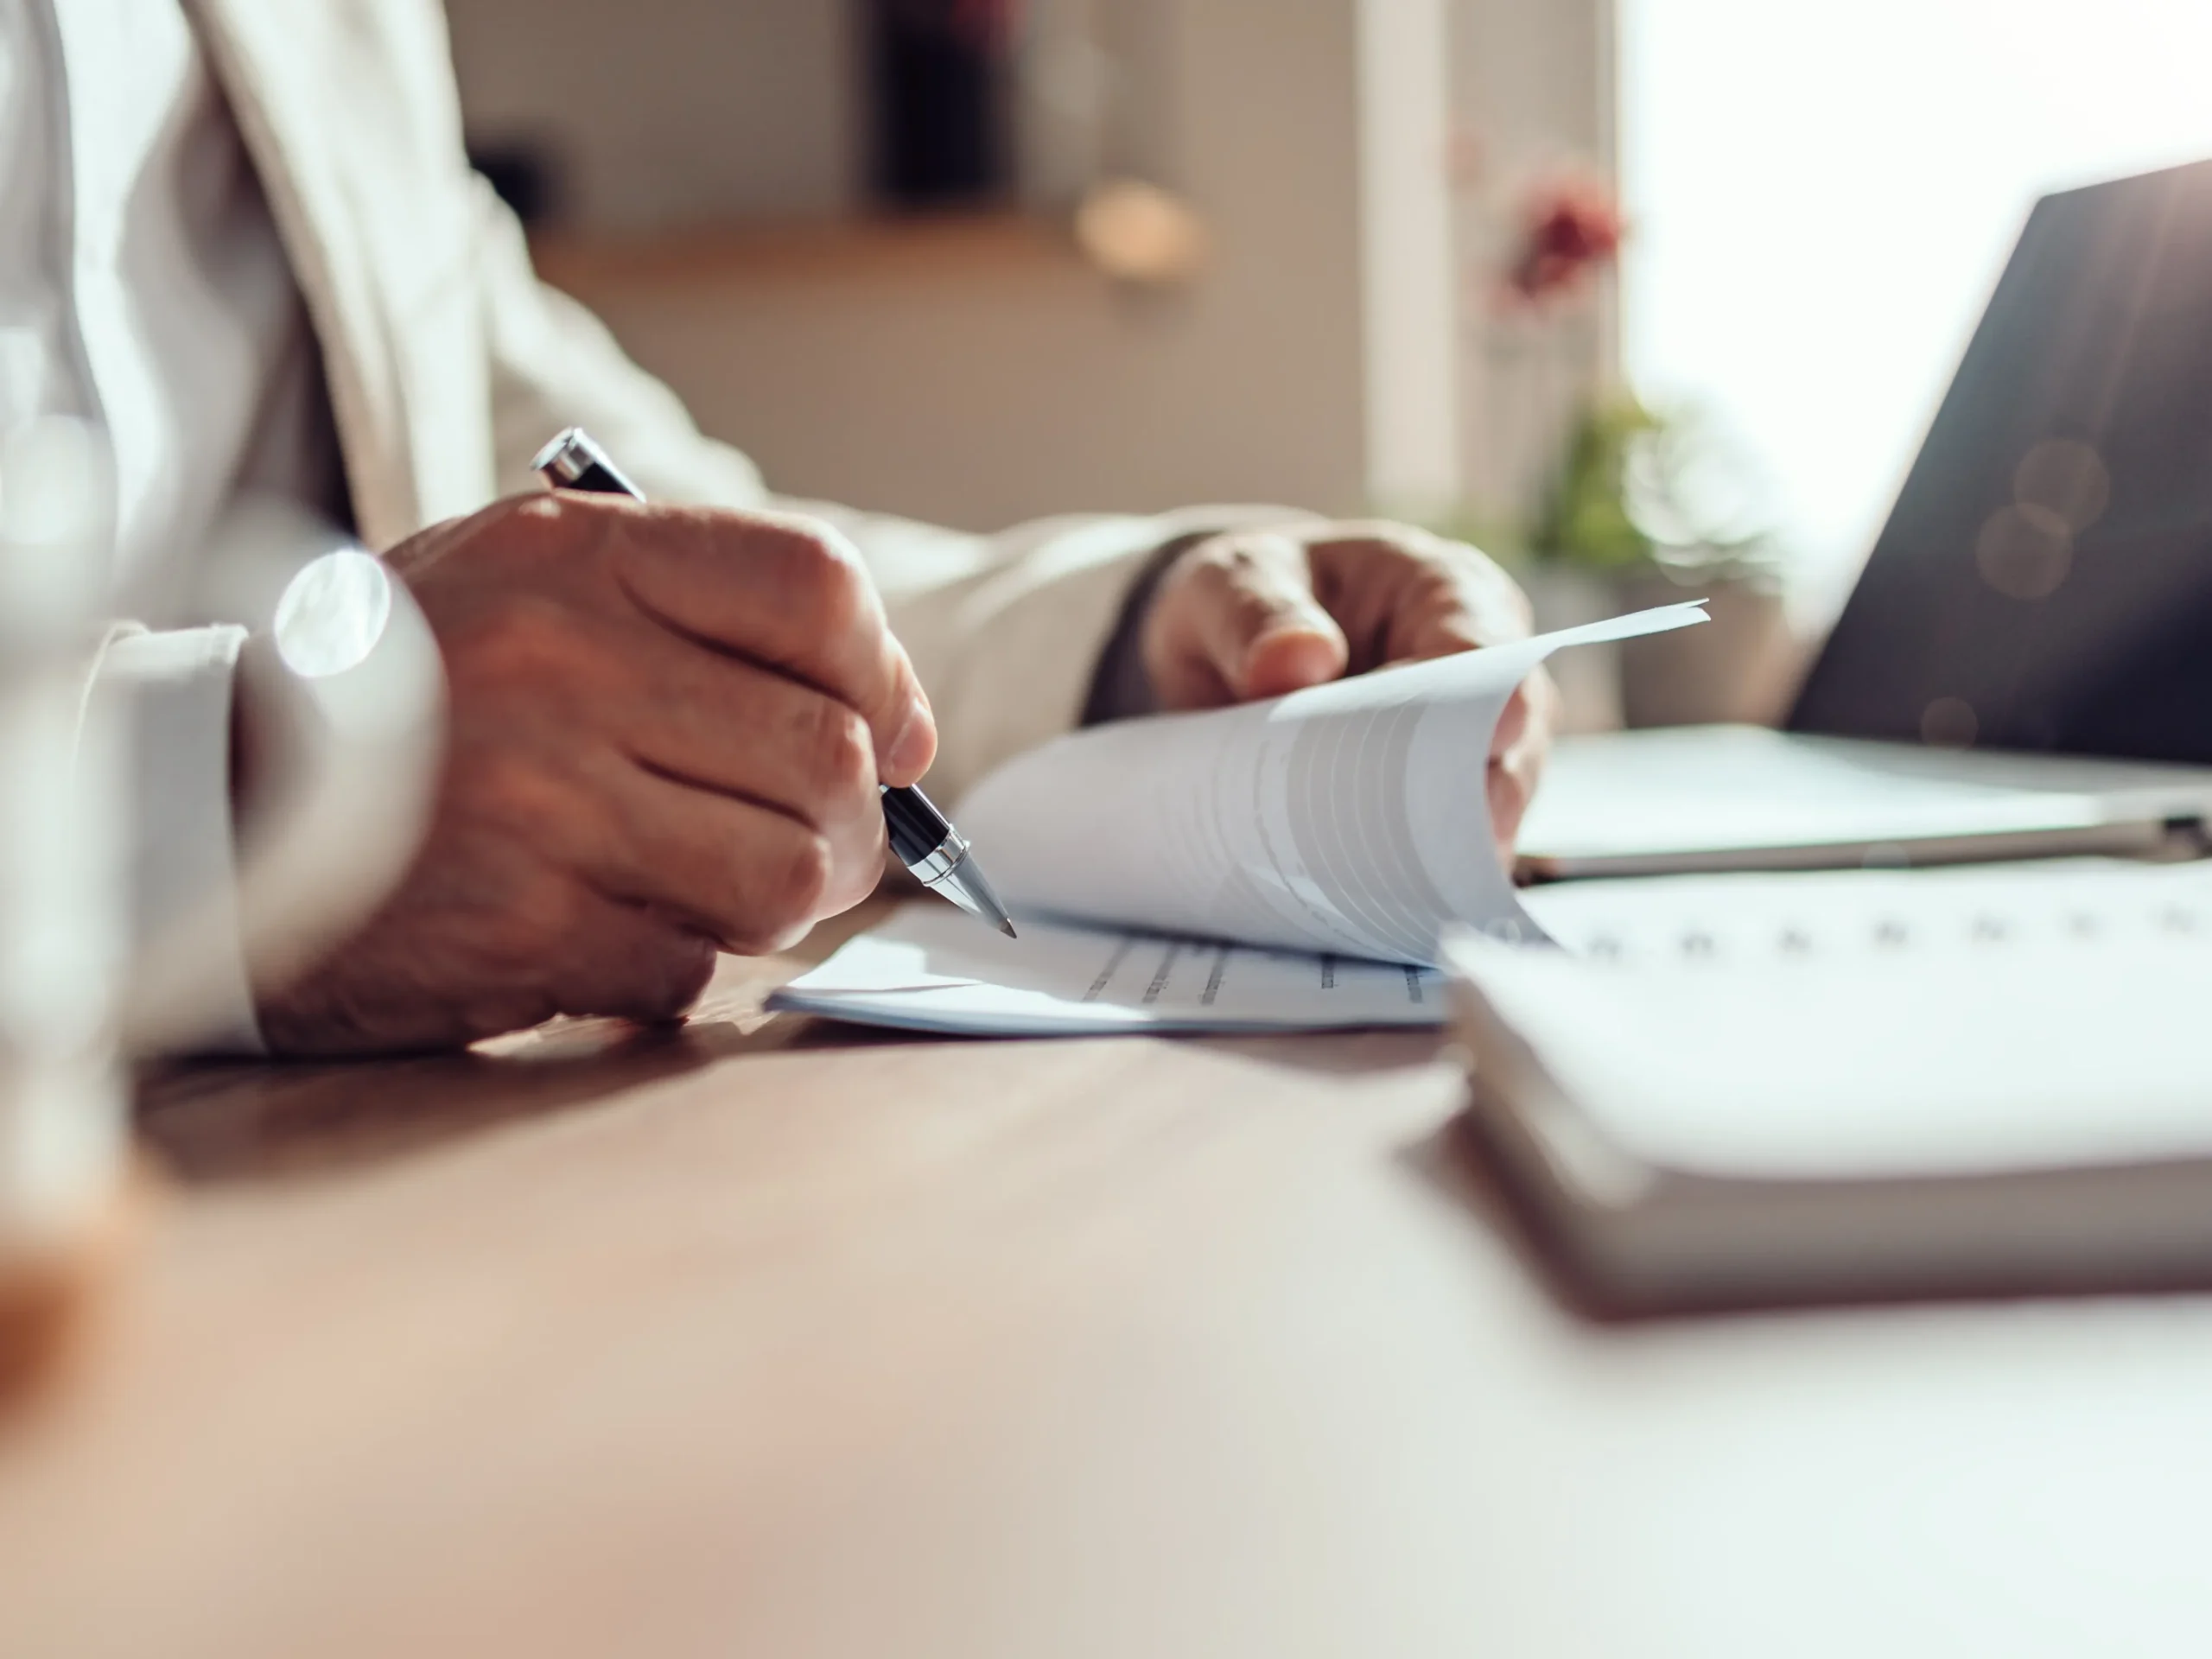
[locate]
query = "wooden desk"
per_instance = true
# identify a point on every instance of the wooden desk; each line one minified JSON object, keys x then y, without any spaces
{"x":762,"y":1340}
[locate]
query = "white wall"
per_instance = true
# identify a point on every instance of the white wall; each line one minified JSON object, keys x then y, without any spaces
{"x":1410,"y":255}
{"x":672,"y":112}
{"x":994,"y":375}
{"x":980,"y":377}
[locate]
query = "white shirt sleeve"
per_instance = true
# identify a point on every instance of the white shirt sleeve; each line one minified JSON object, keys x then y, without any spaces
{"x":177,"y":687}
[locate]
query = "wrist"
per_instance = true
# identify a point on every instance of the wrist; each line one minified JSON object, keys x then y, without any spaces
{"x":1120,"y":687}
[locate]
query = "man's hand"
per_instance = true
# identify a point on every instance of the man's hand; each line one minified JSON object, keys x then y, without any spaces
{"x":666,"y":732}
{"x":1257,"y":614}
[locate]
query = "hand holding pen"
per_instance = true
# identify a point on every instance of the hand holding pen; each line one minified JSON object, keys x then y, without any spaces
{"x":664,"y":736}
{"x":921,"y":838}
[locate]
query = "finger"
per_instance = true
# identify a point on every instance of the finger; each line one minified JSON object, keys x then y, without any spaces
{"x":413,"y":557}
{"x":1529,"y":714}
{"x":474,"y":951}
{"x":791,"y":593}
{"x":748,"y":877}
{"x":1404,"y":595}
{"x":623,"y":961}
{"x":1516,"y":767}
{"x":728,"y":724}
{"x":1242,"y":612}
{"x":1512,"y":723}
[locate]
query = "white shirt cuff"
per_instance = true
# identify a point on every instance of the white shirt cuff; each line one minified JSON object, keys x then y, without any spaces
{"x":178,"y":687}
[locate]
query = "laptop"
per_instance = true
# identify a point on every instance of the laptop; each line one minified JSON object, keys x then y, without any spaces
{"x":2024,"y":667}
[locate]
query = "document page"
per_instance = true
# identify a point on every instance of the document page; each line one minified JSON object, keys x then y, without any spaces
{"x":933,"y":969}
{"x":1352,"y":819}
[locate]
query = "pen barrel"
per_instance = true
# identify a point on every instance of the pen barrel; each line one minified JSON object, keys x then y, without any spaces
{"x":922,"y":838}
{"x":574,"y":461}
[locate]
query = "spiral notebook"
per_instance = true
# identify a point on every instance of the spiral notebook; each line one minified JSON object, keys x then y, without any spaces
{"x":1756,"y":1090}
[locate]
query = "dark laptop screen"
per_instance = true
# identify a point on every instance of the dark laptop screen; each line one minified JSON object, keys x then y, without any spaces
{"x":2045,"y":580}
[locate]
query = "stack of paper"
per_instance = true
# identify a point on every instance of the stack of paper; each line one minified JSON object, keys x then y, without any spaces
{"x":1290,"y":864}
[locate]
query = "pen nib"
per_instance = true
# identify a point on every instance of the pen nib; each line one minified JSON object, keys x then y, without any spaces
{"x":964,"y":886}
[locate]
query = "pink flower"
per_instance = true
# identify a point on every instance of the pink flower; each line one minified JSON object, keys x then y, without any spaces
{"x":1574,"y":227}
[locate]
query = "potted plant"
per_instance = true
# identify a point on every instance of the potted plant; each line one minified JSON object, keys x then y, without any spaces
{"x":1647,"y":508}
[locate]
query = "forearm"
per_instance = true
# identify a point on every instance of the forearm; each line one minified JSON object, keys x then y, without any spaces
{"x":1120,"y":687}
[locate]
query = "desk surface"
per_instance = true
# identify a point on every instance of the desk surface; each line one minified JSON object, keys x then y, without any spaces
{"x":765,"y":1339}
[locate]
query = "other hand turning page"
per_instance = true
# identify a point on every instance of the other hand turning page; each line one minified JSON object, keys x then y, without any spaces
{"x":1348,"y":821}
{"x":1353,"y":817}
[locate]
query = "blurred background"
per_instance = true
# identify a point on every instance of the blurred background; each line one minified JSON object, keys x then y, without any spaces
{"x":1642,"y":295}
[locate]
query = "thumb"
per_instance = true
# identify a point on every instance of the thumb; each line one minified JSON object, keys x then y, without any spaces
{"x":1263,"y":630}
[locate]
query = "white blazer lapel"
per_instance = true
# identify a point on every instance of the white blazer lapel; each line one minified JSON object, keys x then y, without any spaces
{"x":348,"y":109}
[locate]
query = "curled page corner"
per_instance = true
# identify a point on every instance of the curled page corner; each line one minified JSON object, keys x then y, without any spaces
{"x":1350,"y":818}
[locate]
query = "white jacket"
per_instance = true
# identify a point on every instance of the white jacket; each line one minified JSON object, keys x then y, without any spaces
{"x":449,"y":365}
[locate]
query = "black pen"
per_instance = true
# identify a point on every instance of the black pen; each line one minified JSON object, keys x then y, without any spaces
{"x":922,"y":838}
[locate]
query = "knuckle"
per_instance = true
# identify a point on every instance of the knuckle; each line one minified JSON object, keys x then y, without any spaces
{"x":1200,"y":561}
{"x":810,"y":867}
{"x":843,"y":752}
{"x":1373,"y":539}
{"x":535,"y":532}
{"x":534,"y":514}
{"x":532,"y":509}
{"x":529,"y":639}
{"x":795,"y":879}
{"x":1229,"y":557}
{"x":1209,"y":549}
{"x":504,"y":788}
{"x":830,"y":589}
{"x":1216,"y":570}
